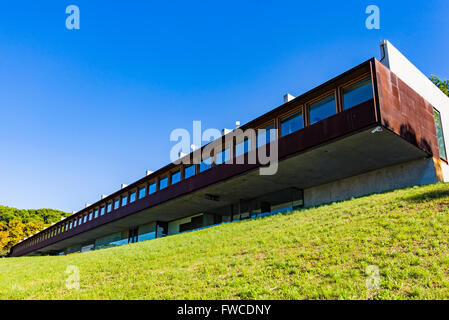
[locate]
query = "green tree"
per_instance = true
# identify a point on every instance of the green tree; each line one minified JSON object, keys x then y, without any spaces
{"x":16,"y":224}
{"x":442,"y":84}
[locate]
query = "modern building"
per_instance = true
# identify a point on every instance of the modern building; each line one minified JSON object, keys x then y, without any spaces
{"x":376,"y":127}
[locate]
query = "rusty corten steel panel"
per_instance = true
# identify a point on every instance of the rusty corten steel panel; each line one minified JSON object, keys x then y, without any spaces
{"x":338,"y":125}
{"x":405,"y":112}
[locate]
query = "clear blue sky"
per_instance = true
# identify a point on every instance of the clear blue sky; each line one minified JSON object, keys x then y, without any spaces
{"x":83,"y":111}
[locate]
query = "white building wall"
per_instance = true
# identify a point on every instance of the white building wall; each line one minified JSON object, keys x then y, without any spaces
{"x":407,"y":72}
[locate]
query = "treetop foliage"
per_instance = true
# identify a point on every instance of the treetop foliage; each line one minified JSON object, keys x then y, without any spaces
{"x":16,"y":224}
{"x":442,"y":84}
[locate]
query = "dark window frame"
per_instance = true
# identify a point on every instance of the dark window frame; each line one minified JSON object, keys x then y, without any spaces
{"x":350,"y":83}
{"x":162,"y":177}
{"x":442,"y":135}
{"x":132,"y":194}
{"x":144,"y":192}
{"x":265,"y":124}
{"x":151,"y":183}
{"x":334,"y":92}
{"x":173,"y":172}
{"x":300,"y":109}
{"x":190,"y":166}
{"x":125,"y":196}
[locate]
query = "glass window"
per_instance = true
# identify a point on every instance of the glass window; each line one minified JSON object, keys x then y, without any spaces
{"x":189,"y":171}
{"x":116,"y":204}
{"x":101,"y":211}
{"x":124,"y":200}
{"x":322,"y":109}
{"x":75,"y":222}
{"x":132,"y":197}
{"x":291,"y":123}
{"x":439,"y":127}
{"x":265,"y":135}
{"x":109,"y":207}
{"x":96,"y":213}
{"x":176,"y":177}
{"x":223,"y":156}
{"x":357,"y":93}
{"x":206,"y":164}
{"x":85,"y":219}
{"x":152,"y":187}
{"x":80,"y":220}
{"x":163,"y":182}
{"x":90,"y":215}
{"x":142,"y":192}
{"x":242,"y":147}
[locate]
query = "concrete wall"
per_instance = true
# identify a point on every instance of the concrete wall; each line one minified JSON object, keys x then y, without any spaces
{"x":413,"y":77}
{"x":418,"y":172}
{"x":173,"y":226}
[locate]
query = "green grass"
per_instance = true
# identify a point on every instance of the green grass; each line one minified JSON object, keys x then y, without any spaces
{"x":317,"y":253}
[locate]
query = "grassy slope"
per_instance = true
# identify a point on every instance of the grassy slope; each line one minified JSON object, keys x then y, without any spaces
{"x":315,"y":253}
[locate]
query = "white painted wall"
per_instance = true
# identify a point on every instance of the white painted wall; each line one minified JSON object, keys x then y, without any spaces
{"x":407,"y":72}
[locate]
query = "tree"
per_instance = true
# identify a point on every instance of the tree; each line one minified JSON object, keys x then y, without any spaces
{"x":16,"y":224}
{"x":443,"y":85}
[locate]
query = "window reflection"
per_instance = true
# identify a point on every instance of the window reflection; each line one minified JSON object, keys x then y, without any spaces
{"x":291,"y":123}
{"x":223,"y":156}
{"x":439,"y":127}
{"x":142,"y":192}
{"x":163,"y":182}
{"x":357,"y":93}
{"x":132,"y":197}
{"x":152,"y":188}
{"x":176,"y":177}
{"x":322,"y":109}
{"x":124,"y":200}
{"x":242,"y":147}
{"x":205,"y":164}
{"x":189,"y":171}
{"x":265,"y":135}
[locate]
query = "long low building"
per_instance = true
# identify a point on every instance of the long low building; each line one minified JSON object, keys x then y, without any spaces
{"x":376,"y":127}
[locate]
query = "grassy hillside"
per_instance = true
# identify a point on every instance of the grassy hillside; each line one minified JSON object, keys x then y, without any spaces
{"x":318,"y":253}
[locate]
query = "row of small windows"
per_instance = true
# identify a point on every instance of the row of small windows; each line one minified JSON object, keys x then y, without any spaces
{"x":352,"y":95}
{"x":117,"y":203}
